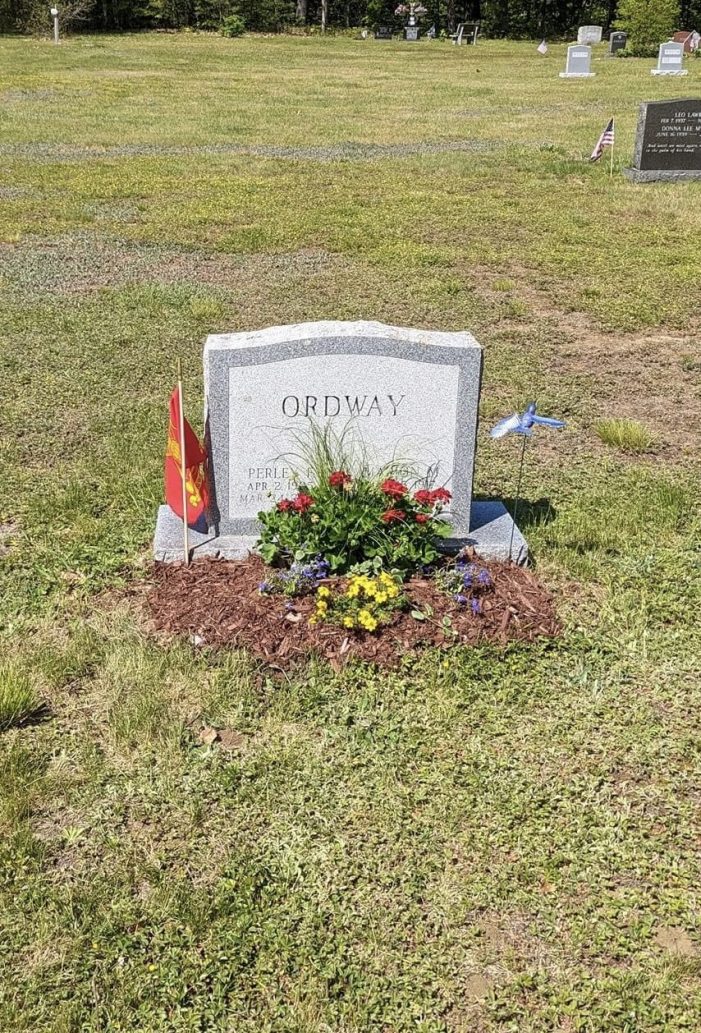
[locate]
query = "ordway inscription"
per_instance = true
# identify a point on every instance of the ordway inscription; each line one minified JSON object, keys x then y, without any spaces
{"x":336,"y":405}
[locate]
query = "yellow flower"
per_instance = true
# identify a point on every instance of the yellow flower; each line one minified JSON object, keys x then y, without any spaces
{"x":352,"y":591}
{"x":381,"y":597}
{"x":348,"y":622}
{"x":323,"y":592}
{"x":392,"y":592}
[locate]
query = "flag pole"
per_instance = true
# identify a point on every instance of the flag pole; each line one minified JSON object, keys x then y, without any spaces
{"x":183,"y":475}
{"x":517,"y":499}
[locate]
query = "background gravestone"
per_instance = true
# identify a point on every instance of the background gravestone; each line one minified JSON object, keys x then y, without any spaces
{"x":670,"y":60}
{"x":411,"y":33}
{"x":406,"y":394}
{"x":578,"y":63}
{"x":668,"y":142}
{"x":589,"y":34}
{"x":617,"y":42}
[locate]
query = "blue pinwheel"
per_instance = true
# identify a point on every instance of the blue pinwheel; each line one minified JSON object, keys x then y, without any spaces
{"x":524,"y":423}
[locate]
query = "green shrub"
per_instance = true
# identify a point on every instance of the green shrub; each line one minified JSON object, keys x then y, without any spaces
{"x":18,"y":697}
{"x":233,"y":26}
{"x":648,"y":23}
{"x":628,"y":435}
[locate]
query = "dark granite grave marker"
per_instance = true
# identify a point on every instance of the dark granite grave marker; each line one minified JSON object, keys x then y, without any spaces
{"x":668,"y":141}
{"x":383,"y":32}
{"x":617,"y":42}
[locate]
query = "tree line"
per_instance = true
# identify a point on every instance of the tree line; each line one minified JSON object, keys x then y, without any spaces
{"x":515,"y":19}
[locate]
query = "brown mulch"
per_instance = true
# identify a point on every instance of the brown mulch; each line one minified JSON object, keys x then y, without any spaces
{"x":218,"y":601}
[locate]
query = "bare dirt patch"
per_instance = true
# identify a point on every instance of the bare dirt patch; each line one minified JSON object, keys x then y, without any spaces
{"x":219,"y":602}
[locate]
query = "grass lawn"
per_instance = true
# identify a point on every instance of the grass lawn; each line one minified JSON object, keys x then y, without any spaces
{"x":496,"y":840}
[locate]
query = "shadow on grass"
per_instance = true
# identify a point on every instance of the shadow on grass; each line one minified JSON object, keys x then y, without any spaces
{"x":525,"y":512}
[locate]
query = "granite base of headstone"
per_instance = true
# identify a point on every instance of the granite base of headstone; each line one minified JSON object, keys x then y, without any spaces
{"x":399,"y":393}
{"x":411,"y":33}
{"x":667,"y":142}
{"x":578,"y":63}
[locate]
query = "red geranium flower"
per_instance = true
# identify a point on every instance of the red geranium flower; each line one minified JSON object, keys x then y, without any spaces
{"x":302,"y":502}
{"x":441,"y":495}
{"x":285,"y":505}
{"x":393,"y":488}
{"x":339,"y":478}
{"x":421,"y":518}
{"x":424,"y":497}
{"x":390,"y":515}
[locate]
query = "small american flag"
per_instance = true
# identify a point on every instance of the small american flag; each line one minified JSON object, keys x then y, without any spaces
{"x":605,"y":140}
{"x":543,"y":48}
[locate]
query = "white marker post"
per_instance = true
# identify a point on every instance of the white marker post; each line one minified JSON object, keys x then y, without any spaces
{"x":54,"y":15}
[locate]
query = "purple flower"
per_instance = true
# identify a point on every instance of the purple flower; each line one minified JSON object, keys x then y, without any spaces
{"x":484,"y":577}
{"x":460,"y":598}
{"x":476,"y":608}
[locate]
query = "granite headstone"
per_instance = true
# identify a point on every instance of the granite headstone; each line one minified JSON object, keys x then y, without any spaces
{"x":617,"y":42}
{"x":589,"y":34}
{"x":668,"y":142}
{"x":578,"y":63}
{"x":670,"y":60}
{"x":406,"y":394}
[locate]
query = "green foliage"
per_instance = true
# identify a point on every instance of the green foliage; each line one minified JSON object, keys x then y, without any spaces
{"x":648,"y":23}
{"x":628,"y":435}
{"x":354,"y":525}
{"x":18,"y":695}
{"x":232,"y":26}
{"x":350,"y":515}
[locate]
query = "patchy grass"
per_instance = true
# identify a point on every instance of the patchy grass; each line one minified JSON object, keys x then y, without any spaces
{"x":18,"y":695}
{"x":628,"y":435}
{"x":497,"y":840}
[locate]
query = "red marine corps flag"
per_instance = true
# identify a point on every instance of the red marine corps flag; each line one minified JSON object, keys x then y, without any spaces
{"x":185,"y":484}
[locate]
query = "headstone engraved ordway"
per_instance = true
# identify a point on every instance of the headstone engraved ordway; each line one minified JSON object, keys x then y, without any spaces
{"x":617,"y":42}
{"x":668,"y":142}
{"x":670,"y":60}
{"x":406,"y":394}
{"x":589,"y":34}
{"x":578,"y":63}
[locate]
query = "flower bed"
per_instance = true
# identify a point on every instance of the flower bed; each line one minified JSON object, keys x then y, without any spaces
{"x":221,"y":603}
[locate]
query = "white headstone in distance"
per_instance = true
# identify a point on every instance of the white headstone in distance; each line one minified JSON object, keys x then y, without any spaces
{"x":670,"y":60}
{"x":589,"y":34}
{"x":578,"y":63}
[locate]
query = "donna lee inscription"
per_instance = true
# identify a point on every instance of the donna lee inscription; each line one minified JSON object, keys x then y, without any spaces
{"x":270,"y":404}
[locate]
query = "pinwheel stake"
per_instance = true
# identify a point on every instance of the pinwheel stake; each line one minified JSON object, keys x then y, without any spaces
{"x":522,"y":425}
